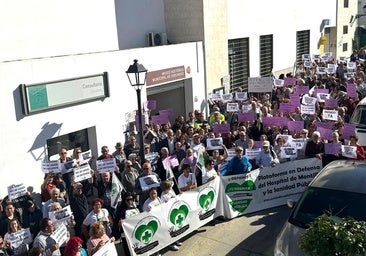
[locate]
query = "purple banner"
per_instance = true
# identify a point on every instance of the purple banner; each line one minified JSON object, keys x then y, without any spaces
{"x":295,"y":125}
{"x":348,"y":130}
{"x":160,"y":119}
{"x":325,"y":133}
{"x":302,"y":89}
{"x":331,"y":103}
{"x":258,"y":144}
{"x":290,"y":81}
{"x":325,"y":125}
{"x":316,"y":91}
{"x":244,"y":117}
{"x":168,"y":112}
{"x":295,"y":100}
{"x":221,"y":128}
{"x":150,"y":104}
{"x":275,"y":120}
{"x":351,"y":90}
{"x":332,"y":148}
{"x":287,"y":107}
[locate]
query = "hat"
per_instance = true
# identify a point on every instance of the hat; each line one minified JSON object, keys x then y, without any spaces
{"x":265,"y":143}
{"x":196,"y":135}
{"x":119,"y":145}
{"x":28,"y":203}
{"x":132,"y":155}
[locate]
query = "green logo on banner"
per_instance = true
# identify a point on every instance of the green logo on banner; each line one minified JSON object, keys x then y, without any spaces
{"x":37,"y":97}
{"x":144,"y":233}
{"x":177,"y":216}
{"x":205,"y":200}
{"x":240,"y":205}
{"x":247,"y":185}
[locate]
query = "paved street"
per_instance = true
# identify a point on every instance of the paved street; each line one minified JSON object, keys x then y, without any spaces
{"x":251,"y":235}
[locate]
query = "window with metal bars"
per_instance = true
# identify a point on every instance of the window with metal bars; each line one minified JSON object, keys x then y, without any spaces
{"x":238,"y":63}
{"x":302,"y":44}
{"x":266,"y":55}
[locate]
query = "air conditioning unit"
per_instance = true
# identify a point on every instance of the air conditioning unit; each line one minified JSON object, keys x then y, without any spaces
{"x":156,"y":39}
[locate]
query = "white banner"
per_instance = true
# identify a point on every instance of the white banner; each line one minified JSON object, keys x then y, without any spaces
{"x":260,"y":84}
{"x":106,"y":165}
{"x":149,"y":232}
{"x":252,"y":153}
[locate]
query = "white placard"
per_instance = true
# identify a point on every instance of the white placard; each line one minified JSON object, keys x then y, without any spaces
{"x":20,"y":237}
{"x":215,"y":97}
{"x":307,"y":100}
{"x":231,"y":153}
{"x":106,"y":165}
{"x":241,"y":96}
{"x":82,"y":173}
{"x":149,"y":181}
{"x":308,"y":109}
{"x":152,"y":157}
{"x":15,"y":191}
{"x":321,"y":70}
{"x":306,"y":57}
{"x":349,"y":151}
{"x":227,"y":97}
{"x":330,"y":114}
{"x":321,"y":97}
{"x":232,"y":107}
{"x":246,"y":108}
{"x":300,"y":143}
{"x":60,"y":234}
{"x":260,"y":84}
{"x":308,"y":64}
{"x":67,"y":167}
{"x":108,"y":249}
{"x":84,"y":157}
{"x":288,"y":151}
{"x":51,"y":167}
{"x":278,"y":82}
{"x":214,"y":143}
{"x":252,"y":153}
{"x":61,"y":215}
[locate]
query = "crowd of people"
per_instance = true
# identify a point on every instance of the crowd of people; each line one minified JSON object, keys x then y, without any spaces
{"x":181,"y":156}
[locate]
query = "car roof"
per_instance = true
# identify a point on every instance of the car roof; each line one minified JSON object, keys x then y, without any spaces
{"x":345,"y":175}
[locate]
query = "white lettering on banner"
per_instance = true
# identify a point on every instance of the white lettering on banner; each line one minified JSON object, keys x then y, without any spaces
{"x":60,"y":234}
{"x":15,"y":191}
{"x":106,"y":165}
{"x":228,"y":196}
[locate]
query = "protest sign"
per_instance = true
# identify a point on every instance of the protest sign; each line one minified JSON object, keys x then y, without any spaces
{"x":227,"y":97}
{"x":60,"y":234}
{"x":106,"y":165}
{"x":61,"y":215}
{"x":232,"y":107}
{"x":214,"y":143}
{"x":246,"y":117}
{"x":260,"y":84}
{"x":349,"y":151}
{"x":67,"y":167}
{"x":241,"y":96}
{"x":330,"y":114}
{"x":15,"y":191}
{"x":308,"y":109}
{"x":149,"y":181}
{"x":84,"y":157}
{"x":332,"y":148}
{"x":82,"y":173}
{"x":51,"y":166}
{"x":108,"y":249}
{"x":252,"y":153}
{"x":20,"y":237}
{"x":295,"y":125}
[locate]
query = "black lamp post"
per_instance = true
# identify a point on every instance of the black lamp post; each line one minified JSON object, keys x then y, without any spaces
{"x":137,"y":76}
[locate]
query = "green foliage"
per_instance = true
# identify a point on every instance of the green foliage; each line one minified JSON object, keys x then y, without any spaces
{"x":329,"y":235}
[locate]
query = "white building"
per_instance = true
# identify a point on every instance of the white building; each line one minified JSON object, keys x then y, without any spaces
{"x":210,"y":40}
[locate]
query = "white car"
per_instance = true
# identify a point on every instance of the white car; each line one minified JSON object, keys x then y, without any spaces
{"x":359,"y":119}
{"x":339,"y":189}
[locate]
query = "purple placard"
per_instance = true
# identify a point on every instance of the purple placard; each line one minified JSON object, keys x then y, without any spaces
{"x":257,"y":144}
{"x":316,"y":91}
{"x":150,"y":104}
{"x":168,"y":112}
{"x":332,"y":148}
{"x":325,"y":125}
{"x":348,"y":130}
{"x":137,"y":123}
{"x":275,"y":120}
{"x":287,"y":107}
{"x":331,"y":103}
{"x":221,"y":128}
{"x":160,"y":119}
{"x":302,"y":89}
{"x":325,"y":133}
{"x":290,"y":81}
{"x":295,"y":125}
{"x":173,"y":161}
{"x":351,"y":90}
{"x":295,"y":100}
{"x":246,"y":117}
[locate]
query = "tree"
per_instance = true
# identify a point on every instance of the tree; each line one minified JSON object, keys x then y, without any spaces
{"x":330,"y":235}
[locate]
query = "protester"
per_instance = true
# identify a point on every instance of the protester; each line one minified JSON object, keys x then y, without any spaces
{"x":74,"y":247}
{"x":98,"y":238}
{"x":239,"y":164}
{"x":44,"y":241}
{"x":22,"y":249}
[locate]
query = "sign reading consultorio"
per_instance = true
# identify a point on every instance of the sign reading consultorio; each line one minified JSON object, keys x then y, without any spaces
{"x":41,"y":97}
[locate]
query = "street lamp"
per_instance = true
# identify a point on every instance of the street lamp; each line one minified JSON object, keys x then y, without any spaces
{"x":136,"y":74}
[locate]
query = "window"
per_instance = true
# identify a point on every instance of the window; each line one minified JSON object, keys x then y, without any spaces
{"x":302,"y":44}
{"x":266,"y":55}
{"x":239,"y":63}
{"x":345,"y":47}
{"x":345,"y":4}
{"x":345,"y":29}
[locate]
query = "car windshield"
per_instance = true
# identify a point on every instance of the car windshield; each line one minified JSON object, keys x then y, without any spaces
{"x":359,"y":116}
{"x":317,"y":201}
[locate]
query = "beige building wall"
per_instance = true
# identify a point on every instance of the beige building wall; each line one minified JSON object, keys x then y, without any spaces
{"x":201,"y":20}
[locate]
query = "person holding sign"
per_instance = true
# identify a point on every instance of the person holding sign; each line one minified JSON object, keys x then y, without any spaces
{"x":239,"y":164}
{"x":98,"y":238}
{"x":267,"y":157}
{"x":353,"y":141}
{"x":315,"y":147}
{"x":12,"y":244}
{"x":44,"y":240}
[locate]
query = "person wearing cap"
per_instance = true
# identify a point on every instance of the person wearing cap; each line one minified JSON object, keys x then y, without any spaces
{"x":315,"y":147}
{"x":196,"y":144}
{"x":119,"y":155}
{"x":131,"y":147}
{"x":267,"y":157}
{"x":239,"y":164}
